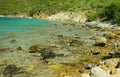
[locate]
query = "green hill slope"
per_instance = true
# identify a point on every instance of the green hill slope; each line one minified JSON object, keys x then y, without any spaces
{"x":49,"y":7}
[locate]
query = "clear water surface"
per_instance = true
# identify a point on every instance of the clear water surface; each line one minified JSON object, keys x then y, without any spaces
{"x":15,"y":24}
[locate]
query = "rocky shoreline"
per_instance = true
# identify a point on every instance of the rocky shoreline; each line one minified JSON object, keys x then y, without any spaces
{"x":74,"y":48}
{"x":61,"y":16}
{"x":68,"y":17}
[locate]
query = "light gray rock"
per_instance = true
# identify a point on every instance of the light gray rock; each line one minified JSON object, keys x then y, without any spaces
{"x":117,"y":71}
{"x":85,"y":75}
{"x":100,"y":41}
{"x":98,"y":72}
{"x":115,"y":75}
{"x":105,"y":25}
{"x":89,"y":66}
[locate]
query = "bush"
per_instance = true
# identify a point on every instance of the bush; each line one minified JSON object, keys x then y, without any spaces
{"x":111,"y":13}
{"x":92,"y":15}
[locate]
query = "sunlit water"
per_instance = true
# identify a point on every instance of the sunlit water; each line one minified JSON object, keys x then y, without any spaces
{"x":29,"y":32}
{"x":22,"y":24}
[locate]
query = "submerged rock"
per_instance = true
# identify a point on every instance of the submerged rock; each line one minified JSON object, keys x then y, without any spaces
{"x":13,"y":41}
{"x":19,"y":48}
{"x":76,"y":43}
{"x":47,"y":53}
{"x":10,"y":70}
{"x":34,"y":48}
{"x":3,"y":49}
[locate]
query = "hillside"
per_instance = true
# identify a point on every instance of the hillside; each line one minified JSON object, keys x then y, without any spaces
{"x":46,"y":6}
{"x":94,"y":8}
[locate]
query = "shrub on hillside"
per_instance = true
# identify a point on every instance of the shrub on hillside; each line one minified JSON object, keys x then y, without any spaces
{"x":91,"y":15}
{"x":111,"y":13}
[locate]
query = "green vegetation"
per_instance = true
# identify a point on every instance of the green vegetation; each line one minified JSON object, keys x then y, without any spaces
{"x":111,"y":12}
{"x":108,"y":9}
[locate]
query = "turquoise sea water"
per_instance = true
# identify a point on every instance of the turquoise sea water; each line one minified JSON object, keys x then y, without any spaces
{"x":22,"y":24}
{"x":28,"y":32}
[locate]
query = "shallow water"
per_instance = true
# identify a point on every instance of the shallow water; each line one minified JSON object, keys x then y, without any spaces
{"x":22,"y":24}
{"x":29,"y":32}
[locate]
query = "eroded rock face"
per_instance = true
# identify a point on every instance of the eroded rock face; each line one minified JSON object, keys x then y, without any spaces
{"x":69,"y":16}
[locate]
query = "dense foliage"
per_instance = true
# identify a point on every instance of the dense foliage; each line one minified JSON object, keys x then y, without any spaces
{"x":48,"y":6}
{"x":95,"y":8}
{"x":111,"y":13}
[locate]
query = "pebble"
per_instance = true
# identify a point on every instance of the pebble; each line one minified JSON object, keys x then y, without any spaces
{"x":81,"y":70}
{"x":96,"y":52}
{"x":89,"y":66}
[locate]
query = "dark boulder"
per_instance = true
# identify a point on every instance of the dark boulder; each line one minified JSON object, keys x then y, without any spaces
{"x":47,"y":53}
{"x":11,"y":70}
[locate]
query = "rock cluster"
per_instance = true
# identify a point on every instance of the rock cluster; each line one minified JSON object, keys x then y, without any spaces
{"x":69,"y":16}
{"x":107,"y":68}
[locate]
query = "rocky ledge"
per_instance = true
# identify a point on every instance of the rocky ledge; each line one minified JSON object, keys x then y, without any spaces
{"x":69,"y":16}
